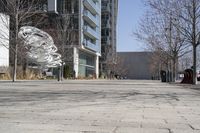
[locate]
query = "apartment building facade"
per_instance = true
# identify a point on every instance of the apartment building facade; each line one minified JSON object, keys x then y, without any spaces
{"x":109,"y":34}
{"x":95,"y":28}
{"x":4,"y":40}
{"x":86,"y":48}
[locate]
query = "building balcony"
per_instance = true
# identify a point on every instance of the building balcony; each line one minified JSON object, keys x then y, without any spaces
{"x":91,"y":19}
{"x":90,"y":32}
{"x":89,"y":45}
{"x":92,"y":6}
{"x":106,"y":40}
{"x":106,"y":25}
{"x":106,"y":8}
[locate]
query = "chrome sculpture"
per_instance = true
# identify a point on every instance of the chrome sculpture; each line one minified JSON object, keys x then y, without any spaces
{"x":40,"y":47}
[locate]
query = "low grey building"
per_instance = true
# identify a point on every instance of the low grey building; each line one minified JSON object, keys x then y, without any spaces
{"x":136,"y":64}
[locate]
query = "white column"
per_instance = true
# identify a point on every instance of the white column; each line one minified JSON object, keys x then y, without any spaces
{"x":97,"y":66}
{"x":4,"y":40}
{"x":76,"y":61}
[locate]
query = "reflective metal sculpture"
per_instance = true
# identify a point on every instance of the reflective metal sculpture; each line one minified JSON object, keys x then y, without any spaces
{"x":40,"y":46}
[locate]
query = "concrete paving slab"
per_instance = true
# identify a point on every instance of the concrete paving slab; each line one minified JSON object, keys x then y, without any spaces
{"x":98,"y":106}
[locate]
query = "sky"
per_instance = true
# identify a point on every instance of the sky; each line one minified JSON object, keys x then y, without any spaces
{"x":130,"y":13}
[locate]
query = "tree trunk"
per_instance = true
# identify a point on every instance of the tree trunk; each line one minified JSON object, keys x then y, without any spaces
{"x":16,"y":48}
{"x":194,"y":65}
{"x":168,"y":71}
{"x":59,"y":73}
{"x":24,"y":68}
{"x":174,"y":70}
{"x":14,"y":74}
{"x":62,"y":71}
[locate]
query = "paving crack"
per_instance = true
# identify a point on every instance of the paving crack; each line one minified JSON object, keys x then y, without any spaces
{"x":115,"y":129}
{"x":192,"y":127}
{"x":170,"y":131}
{"x":166,"y":122}
{"x":141,"y":125}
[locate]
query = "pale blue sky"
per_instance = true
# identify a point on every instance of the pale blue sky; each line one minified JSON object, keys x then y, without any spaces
{"x":130,"y":12}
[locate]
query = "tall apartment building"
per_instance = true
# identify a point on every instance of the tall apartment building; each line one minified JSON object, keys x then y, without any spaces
{"x":109,"y":34}
{"x":86,"y":48}
{"x":94,"y":23}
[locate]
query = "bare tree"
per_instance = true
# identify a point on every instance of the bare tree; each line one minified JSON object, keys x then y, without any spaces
{"x":67,"y":36}
{"x":157,"y":30}
{"x":20,"y":13}
{"x":190,"y":27}
{"x":65,"y":33}
{"x":111,"y":60}
{"x":108,"y":59}
{"x":120,"y":68}
{"x":158,"y":61}
{"x":188,"y":13}
{"x":185,"y":62}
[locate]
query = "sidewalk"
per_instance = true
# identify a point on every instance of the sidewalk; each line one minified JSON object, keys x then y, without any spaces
{"x":98,"y":106}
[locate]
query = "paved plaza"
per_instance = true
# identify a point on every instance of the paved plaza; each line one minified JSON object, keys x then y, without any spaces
{"x":98,"y":106}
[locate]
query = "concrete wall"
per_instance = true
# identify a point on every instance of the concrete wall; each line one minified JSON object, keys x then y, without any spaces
{"x":137,"y":64}
{"x":4,"y":40}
